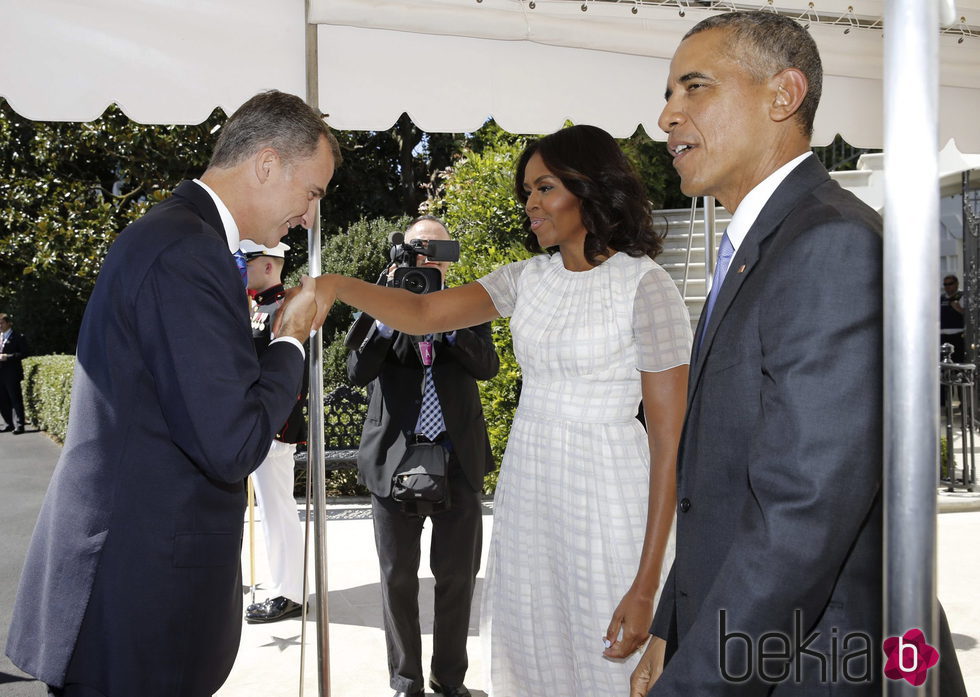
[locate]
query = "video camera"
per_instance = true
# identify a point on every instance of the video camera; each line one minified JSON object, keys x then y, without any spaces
{"x":408,"y":275}
{"x":405,"y":256}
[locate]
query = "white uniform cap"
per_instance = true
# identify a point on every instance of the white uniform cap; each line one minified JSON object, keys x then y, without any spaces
{"x":252,"y":250}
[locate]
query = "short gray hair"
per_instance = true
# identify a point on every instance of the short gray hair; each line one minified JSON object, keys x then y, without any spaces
{"x":774,"y":43}
{"x":275,"y":120}
{"x":432,"y":218}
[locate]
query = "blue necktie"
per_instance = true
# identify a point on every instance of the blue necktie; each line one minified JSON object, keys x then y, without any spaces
{"x":242,"y":263}
{"x":430,"y":423}
{"x":725,"y":253}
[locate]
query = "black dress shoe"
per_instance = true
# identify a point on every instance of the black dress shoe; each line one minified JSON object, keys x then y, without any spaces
{"x":272,"y":610}
{"x":448,"y":690}
{"x":18,"y":431}
{"x":6,"y":428}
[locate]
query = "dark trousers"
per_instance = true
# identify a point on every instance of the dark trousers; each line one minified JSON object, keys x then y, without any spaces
{"x":454,"y":558}
{"x":11,"y":400}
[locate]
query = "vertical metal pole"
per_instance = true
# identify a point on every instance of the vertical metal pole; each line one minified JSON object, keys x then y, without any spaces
{"x":690,"y":243}
{"x":710,"y":248}
{"x":315,"y":463}
{"x":911,"y":314}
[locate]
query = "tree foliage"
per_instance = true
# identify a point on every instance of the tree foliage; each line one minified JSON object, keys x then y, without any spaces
{"x":67,"y":189}
{"x":385,"y":173}
{"x":476,"y":200}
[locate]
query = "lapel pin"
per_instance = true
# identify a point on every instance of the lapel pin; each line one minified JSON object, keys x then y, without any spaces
{"x":741,"y":268}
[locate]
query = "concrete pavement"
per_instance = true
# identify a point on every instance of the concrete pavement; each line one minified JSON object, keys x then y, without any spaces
{"x":268,"y":660}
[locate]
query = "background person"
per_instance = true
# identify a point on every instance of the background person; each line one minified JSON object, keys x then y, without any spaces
{"x":132,"y":583}
{"x":584,"y":503}
{"x":402,"y":388}
{"x":13,"y":350}
{"x":274,"y":479}
{"x":951,"y":320}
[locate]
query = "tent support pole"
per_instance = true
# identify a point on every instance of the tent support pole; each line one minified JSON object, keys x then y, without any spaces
{"x":315,"y":449}
{"x":911,"y":316}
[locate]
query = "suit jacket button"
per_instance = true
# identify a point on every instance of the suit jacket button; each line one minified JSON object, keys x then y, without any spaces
{"x":685,"y":505}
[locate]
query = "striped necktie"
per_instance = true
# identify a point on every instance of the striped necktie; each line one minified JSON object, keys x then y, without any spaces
{"x":242,"y":263}
{"x":430,"y":423}
{"x":725,"y":253}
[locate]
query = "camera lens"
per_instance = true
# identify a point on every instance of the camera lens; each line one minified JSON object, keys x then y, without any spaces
{"x":415,"y":282}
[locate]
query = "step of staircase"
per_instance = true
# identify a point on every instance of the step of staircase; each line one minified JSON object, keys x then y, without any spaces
{"x":675,"y":258}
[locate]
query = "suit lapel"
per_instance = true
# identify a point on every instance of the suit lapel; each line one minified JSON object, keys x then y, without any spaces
{"x":805,"y":178}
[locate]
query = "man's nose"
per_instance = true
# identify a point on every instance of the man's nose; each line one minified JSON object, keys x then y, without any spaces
{"x":310,"y":215}
{"x":669,"y":117}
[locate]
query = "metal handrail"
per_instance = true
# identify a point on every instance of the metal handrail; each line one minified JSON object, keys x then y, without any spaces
{"x":690,"y":243}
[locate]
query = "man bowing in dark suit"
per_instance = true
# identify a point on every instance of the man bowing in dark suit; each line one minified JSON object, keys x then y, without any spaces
{"x":132,"y":584}
{"x":423,"y":390}
{"x":776,"y":587}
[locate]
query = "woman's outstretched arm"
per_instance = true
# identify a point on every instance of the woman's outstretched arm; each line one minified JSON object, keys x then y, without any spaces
{"x":443,"y":311}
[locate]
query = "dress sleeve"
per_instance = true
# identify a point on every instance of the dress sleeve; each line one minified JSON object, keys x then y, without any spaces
{"x":661,"y":324}
{"x":501,"y":286}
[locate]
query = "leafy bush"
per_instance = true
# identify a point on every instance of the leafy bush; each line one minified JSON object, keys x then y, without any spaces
{"x":47,"y":393}
{"x":476,"y":201}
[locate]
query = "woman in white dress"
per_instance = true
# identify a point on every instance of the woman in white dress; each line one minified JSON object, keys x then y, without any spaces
{"x":585,"y":500}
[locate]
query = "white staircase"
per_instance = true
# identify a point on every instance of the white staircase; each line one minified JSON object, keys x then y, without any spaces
{"x":674,"y":257}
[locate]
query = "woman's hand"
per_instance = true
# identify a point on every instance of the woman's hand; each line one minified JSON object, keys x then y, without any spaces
{"x":634,"y":615}
{"x":326,"y":294}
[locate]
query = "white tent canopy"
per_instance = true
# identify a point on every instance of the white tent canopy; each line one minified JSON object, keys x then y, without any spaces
{"x":867,"y":181}
{"x":448,"y":63}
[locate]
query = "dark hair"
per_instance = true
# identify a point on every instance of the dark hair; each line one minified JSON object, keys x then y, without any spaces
{"x":615,"y":210}
{"x":774,"y":43}
{"x":7,"y":318}
{"x":275,"y":120}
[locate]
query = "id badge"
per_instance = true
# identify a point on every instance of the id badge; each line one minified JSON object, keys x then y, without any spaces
{"x":425,"y":352}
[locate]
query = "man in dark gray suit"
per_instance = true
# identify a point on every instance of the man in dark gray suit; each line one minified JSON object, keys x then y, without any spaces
{"x":776,"y":587}
{"x":132,"y":584}
{"x":412,"y":378}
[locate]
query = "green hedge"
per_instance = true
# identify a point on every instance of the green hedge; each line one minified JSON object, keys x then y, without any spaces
{"x":47,"y":393}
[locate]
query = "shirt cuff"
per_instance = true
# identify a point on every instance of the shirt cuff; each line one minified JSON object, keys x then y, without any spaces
{"x":291,"y":340}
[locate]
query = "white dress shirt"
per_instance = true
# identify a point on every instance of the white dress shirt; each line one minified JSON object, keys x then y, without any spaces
{"x":748,"y":210}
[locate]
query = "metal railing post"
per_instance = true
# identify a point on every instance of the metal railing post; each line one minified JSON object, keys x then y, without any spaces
{"x":710,"y":248}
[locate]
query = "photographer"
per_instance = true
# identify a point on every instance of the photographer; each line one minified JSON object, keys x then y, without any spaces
{"x":424,"y":392}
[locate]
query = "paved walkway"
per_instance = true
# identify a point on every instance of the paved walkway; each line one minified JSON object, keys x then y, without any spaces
{"x":268,"y":661}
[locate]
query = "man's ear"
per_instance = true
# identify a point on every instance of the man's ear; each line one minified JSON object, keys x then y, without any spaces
{"x":789,"y":88}
{"x":265,"y":162}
